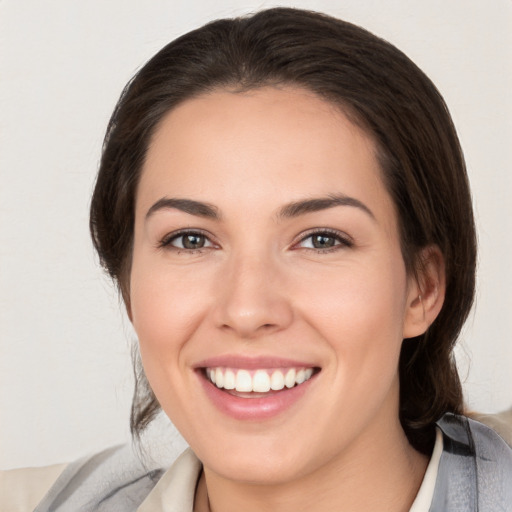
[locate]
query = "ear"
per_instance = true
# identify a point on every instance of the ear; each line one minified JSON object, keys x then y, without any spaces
{"x":427,"y":287}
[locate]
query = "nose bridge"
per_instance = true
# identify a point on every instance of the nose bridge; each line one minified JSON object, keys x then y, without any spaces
{"x":252,"y":300}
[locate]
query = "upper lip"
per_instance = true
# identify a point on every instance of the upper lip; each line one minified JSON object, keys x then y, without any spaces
{"x":252,"y":363}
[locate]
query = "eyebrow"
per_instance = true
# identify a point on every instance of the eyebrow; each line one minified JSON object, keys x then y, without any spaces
{"x":297,"y":208}
{"x":185,"y":205}
{"x":290,"y":210}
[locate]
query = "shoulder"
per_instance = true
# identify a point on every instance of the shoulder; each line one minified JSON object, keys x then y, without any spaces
{"x":115,"y":480}
{"x":500,"y":422}
{"x":22,"y":489}
{"x":475,"y":470}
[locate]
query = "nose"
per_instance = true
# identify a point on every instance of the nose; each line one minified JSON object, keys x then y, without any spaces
{"x":252,"y":299}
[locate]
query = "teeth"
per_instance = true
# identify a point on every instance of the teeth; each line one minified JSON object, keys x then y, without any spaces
{"x":219,"y":378}
{"x":259,"y":381}
{"x":289,"y":380}
{"x":243,"y":381}
{"x":277,"y":381}
{"x":229,"y":380}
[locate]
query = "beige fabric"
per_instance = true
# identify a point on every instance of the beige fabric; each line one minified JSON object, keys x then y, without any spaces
{"x":175,"y":491}
{"x":426,"y":492}
{"x":22,"y":489}
{"x":501,"y":423}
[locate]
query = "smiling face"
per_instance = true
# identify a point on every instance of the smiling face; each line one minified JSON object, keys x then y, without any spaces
{"x":267,"y":259}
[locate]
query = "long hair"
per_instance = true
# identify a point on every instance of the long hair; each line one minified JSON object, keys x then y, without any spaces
{"x":378,"y":88}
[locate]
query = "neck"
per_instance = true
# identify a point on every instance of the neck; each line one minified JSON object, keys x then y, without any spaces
{"x":383,"y":475}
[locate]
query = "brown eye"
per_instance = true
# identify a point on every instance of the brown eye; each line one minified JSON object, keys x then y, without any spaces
{"x":323,"y":241}
{"x":187,"y":241}
{"x":193,"y":241}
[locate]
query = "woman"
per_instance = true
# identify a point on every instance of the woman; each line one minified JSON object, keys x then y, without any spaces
{"x":283,"y":202}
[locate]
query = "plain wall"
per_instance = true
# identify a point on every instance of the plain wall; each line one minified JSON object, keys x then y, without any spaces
{"x":65,"y":370}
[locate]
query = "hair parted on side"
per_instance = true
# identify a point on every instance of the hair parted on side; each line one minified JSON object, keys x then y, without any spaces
{"x":378,"y":88}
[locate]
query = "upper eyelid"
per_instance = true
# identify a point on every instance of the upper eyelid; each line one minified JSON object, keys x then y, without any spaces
{"x":319,"y":231}
{"x":165,"y":240}
{"x":169,"y":237}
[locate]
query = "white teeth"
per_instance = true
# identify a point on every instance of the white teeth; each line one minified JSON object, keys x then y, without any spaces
{"x":219,"y":378}
{"x":277,"y":381}
{"x":243,"y":381}
{"x":229,"y":380}
{"x":289,"y":380}
{"x":260,"y":381}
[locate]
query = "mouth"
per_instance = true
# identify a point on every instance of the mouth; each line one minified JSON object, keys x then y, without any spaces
{"x":260,"y":382}
{"x":255,"y":389}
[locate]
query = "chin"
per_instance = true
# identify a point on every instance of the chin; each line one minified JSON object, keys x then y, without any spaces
{"x":258,"y":459}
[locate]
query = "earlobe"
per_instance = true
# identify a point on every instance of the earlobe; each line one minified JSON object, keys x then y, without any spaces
{"x":426,"y":292}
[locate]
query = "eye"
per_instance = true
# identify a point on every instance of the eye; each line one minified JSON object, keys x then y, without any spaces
{"x":186,"y":240}
{"x":325,"y":240}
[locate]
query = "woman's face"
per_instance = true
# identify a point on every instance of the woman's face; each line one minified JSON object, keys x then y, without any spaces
{"x":266,"y":252}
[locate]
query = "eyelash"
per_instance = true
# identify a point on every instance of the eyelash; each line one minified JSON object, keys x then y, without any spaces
{"x":166,"y":242}
{"x":342,"y":240}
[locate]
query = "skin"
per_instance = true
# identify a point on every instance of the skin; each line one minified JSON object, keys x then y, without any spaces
{"x":259,"y":288}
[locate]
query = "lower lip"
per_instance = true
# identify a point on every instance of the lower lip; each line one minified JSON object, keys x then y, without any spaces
{"x":254,"y":408}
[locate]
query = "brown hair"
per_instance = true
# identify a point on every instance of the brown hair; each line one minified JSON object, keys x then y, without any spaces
{"x":380,"y":89}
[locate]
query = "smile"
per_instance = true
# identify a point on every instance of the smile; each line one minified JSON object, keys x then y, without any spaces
{"x":255,"y":389}
{"x":258,"y":380}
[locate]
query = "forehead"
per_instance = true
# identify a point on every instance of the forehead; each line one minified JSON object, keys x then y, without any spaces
{"x":248,"y":145}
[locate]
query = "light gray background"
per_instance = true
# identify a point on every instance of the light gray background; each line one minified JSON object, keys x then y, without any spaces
{"x":65,"y":371}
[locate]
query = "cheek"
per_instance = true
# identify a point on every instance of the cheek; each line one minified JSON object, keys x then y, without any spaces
{"x":166,"y":310}
{"x":165,"y":303}
{"x":357,"y":299}
{"x":360,"y":314}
